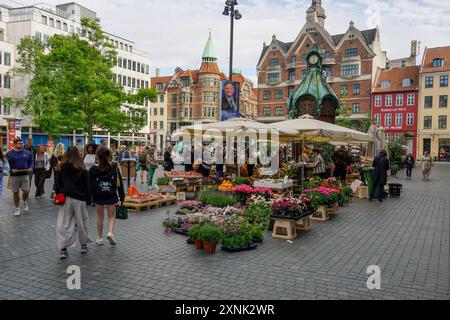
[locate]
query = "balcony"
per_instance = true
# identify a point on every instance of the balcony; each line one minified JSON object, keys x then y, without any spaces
{"x":329,"y":61}
{"x":291,"y":65}
{"x":273,"y":68}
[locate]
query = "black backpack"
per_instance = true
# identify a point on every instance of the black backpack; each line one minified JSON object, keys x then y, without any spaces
{"x":106,"y":185}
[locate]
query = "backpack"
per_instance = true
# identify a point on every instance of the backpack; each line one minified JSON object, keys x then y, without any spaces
{"x":106,"y":185}
{"x":142,"y":156}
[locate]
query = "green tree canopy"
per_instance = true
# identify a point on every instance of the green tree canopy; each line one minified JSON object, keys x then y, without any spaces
{"x":72,"y":85}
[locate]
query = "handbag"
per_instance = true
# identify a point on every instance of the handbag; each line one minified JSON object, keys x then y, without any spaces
{"x":122,"y":212}
{"x":59,"y":199}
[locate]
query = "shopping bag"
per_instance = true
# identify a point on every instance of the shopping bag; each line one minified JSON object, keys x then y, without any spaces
{"x":122,"y":212}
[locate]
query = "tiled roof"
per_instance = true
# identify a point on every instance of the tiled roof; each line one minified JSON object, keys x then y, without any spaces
{"x":209,"y":67}
{"x":434,"y":53}
{"x":165,"y":79}
{"x":396,"y":76}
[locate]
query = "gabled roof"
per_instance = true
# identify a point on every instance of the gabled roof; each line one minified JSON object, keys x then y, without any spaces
{"x":164,"y":80}
{"x":396,"y":76}
{"x":369,"y":36}
{"x":434,"y":53}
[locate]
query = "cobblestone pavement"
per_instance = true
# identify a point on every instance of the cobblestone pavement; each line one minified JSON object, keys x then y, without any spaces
{"x":408,"y":238}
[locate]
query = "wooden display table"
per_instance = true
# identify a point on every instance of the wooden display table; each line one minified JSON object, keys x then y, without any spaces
{"x":286,"y":229}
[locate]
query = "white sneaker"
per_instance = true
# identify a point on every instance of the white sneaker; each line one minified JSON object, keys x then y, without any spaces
{"x":111,"y":239}
{"x":25,"y":207}
{"x":99,"y":241}
{"x":17,"y":212}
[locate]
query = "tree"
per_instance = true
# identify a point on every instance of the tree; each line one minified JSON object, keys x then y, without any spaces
{"x":72,"y":86}
{"x":344,"y":112}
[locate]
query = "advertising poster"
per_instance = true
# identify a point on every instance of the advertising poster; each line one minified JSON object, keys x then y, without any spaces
{"x":12,"y":132}
{"x":230,"y":100}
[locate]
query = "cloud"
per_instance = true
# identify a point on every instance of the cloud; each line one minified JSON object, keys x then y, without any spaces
{"x":174,"y":32}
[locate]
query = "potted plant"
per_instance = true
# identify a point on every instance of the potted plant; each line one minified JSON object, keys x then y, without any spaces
{"x":216,"y":199}
{"x":194,"y":234}
{"x":170,"y":225}
{"x":210,"y":235}
{"x":257,"y":233}
{"x":242,"y":193}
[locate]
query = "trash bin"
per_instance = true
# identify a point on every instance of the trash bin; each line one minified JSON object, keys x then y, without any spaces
{"x":395,"y":189}
{"x":368,"y":179}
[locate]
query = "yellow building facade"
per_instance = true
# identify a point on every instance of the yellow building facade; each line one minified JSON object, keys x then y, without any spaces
{"x":434,"y":110}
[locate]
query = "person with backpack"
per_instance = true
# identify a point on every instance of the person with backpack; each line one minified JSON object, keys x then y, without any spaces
{"x":71,"y":181}
{"x":142,"y":165}
{"x":106,"y":187}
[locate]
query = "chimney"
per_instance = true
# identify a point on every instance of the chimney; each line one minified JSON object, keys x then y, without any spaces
{"x":158,"y":72}
{"x":414,"y":48}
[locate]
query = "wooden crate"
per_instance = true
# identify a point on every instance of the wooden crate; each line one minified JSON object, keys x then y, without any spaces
{"x":321,"y":214}
{"x":284,"y":229}
{"x":362,"y":192}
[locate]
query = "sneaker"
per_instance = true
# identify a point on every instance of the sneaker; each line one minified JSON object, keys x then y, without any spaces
{"x":84,"y":248}
{"x":37,"y":197}
{"x":17,"y":212}
{"x":63,"y":254}
{"x":111,"y":239}
{"x":25,"y":207}
{"x":99,"y":241}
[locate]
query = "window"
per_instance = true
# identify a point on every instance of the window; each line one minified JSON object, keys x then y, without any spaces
{"x":442,"y":122}
{"x":129,"y":64}
{"x":7,"y":59}
{"x":378,"y":101}
{"x":378,"y":119}
{"x":385,"y":84}
{"x":388,"y":101}
{"x":429,"y":82}
{"x":161,"y":111}
{"x":328,"y":71}
{"x":410,"y":119}
{"x":51,"y":22}
{"x":278,"y":111}
{"x":293,"y":59}
{"x":6,"y":110}
{"x":443,"y":101}
{"x":388,"y":119}
{"x":399,"y":100}
{"x":411,"y":99}
{"x":173,"y":98}
{"x":266,"y":112}
{"x":134,"y":65}
{"x":438,"y":62}
{"x":343,"y":89}
{"x":174,"y":113}
{"x":46,"y":38}
{"x":406,"y":83}
{"x":273,"y":78}
{"x":279,"y":94}
{"x":2,"y":35}
{"x":65,"y":27}
{"x":159,"y":86}
{"x":274,"y":62}
{"x":209,"y":96}
{"x":444,"y":81}
{"x":267,"y":95}
{"x":427,"y":122}
{"x":304,"y":56}
{"x":327,"y":55}
{"x":161,"y":98}
{"x":350,"y":70}
{"x":119,"y":79}
{"x":161,"y":125}
{"x":44,"y":20}
{"x":185,"y":82}
{"x":399,"y":119}
{"x":428,"y":102}
{"x":124,"y":80}
{"x":7,"y":81}
{"x":155,"y":111}
{"x":353,"y":52}
{"x":134,"y":83}
{"x":38,"y":36}
{"x":356,"y":108}
{"x":356,"y":89}
{"x":155,"y":125}
{"x":304,"y":74}
{"x":58,"y":24}
{"x":292,"y":75}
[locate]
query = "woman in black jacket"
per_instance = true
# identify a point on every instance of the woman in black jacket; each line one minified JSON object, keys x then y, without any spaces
{"x":381,"y":165}
{"x":409,"y":164}
{"x":71,"y":179}
{"x":168,"y":162}
{"x":106,"y":188}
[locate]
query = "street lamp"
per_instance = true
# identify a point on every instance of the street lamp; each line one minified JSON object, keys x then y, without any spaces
{"x":234,"y":14}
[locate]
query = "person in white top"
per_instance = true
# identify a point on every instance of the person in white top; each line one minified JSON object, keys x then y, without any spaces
{"x":89,"y":157}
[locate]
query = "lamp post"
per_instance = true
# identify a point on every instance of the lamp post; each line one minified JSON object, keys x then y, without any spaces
{"x":234,"y":14}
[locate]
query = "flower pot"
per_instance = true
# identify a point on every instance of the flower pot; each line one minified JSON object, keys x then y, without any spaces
{"x":209,"y":248}
{"x":168,"y":230}
{"x":198,"y":244}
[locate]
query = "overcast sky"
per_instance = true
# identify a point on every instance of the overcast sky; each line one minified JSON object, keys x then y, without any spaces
{"x":174,"y":32}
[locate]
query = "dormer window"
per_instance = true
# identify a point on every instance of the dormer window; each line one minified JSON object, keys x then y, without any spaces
{"x":406,"y":82}
{"x":386,"y":84}
{"x":186,"y":82}
{"x":351,"y":36}
{"x":274,"y":48}
{"x":438,"y":62}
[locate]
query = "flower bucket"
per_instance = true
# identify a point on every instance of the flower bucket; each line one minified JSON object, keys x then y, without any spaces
{"x":209,"y":248}
{"x":198,"y":244}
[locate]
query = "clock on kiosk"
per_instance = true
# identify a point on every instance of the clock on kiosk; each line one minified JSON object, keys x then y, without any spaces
{"x":314,"y":59}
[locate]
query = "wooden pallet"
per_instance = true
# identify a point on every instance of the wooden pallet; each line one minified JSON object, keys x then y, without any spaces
{"x":133,"y":207}
{"x":321,"y":214}
{"x":168,"y":201}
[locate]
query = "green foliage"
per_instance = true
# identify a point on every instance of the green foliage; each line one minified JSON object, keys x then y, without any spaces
{"x":396,"y":154}
{"x":194,"y":231}
{"x":238,"y":181}
{"x":210,"y":233}
{"x":162,"y":181}
{"x":326,"y":151}
{"x":72,"y":85}
{"x":238,"y":232}
{"x":216,"y":199}
{"x":259,"y":214}
{"x":170,"y":224}
{"x":257,"y":232}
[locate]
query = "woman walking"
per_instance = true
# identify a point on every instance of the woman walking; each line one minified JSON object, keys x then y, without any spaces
{"x":168,"y":162}
{"x":409,"y":164}
{"x":426,"y":164}
{"x":4,"y":171}
{"x":54,"y":162}
{"x":381,"y":165}
{"x":71,"y":180}
{"x":41,"y":169}
{"x":152,"y":165}
{"x":105,"y":183}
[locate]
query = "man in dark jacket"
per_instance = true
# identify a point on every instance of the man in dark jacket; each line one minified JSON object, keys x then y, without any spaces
{"x":168,"y":162}
{"x":381,"y":165}
{"x":409,"y":164}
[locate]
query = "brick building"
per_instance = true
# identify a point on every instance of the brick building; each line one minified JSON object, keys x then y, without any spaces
{"x":350,"y":61}
{"x":395,"y":100}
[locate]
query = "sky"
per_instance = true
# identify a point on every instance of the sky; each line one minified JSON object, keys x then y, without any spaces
{"x":173,"y":33}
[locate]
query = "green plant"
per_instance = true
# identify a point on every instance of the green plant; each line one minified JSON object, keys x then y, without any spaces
{"x":237,"y":232}
{"x":194,"y":231}
{"x":257,"y":232}
{"x":396,"y":155}
{"x":210,"y":233}
{"x":259,"y":214}
{"x":238,"y":181}
{"x":170,"y":224}
{"x":216,"y":199}
{"x":163,"y":181}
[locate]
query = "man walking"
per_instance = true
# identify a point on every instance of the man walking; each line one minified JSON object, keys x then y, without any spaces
{"x":21,"y":164}
{"x":381,"y":165}
{"x":29,"y":146}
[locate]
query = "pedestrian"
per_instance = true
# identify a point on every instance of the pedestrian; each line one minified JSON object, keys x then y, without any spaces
{"x":319,"y":164}
{"x":188,"y":163}
{"x":55,"y":159}
{"x":80,"y":147}
{"x":21,"y":166}
{"x":89,"y":157}
{"x":105,"y":184}
{"x":71,"y":180}
{"x":104,"y":143}
{"x":29,"y":146}
{"x":426,"y":163}
{"x":152,"y":165}
{"x":341,"y":160}
{"x":123,"y":153}
{"x":409,"y":164}
{"x":168,"y":162}
{"x":381,"y":165}
{"x":4,"y":171}
{"x":114,"y":154}
{"x":142,"y":165}
{"x":41,"y":169}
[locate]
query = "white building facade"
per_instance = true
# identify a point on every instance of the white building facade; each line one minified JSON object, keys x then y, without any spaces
{"x":43,"y":21}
